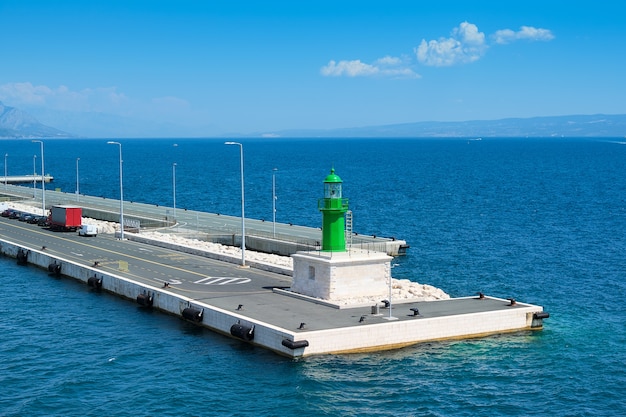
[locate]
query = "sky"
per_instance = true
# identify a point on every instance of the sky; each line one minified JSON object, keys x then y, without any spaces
{"x":213,"y":66}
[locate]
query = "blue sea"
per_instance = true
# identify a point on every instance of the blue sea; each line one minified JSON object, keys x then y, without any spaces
{"x":540,"y":220}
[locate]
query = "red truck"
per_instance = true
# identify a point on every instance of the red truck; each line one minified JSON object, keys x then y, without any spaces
{"x":65,"y":218}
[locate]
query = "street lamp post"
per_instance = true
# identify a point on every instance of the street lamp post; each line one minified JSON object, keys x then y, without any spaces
{"x":243,"y":204}
{"x":174,"y":187}
{"x":43,"y":180}
{"x":77,"y":182}
{"x":274,"y":201}
{"x":121,"y":191}
{"x":34,"y":176}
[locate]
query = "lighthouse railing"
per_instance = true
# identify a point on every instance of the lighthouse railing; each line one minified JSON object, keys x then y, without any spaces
{"x":332,"y":204}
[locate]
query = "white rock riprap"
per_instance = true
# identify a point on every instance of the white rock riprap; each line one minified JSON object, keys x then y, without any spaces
{"x":283,"y":261}
{"x":402,"y":291}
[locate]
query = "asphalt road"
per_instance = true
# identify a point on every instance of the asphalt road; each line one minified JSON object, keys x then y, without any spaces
{"x":193,"y":276}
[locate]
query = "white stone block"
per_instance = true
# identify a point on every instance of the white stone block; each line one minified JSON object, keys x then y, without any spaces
{"x":341,"y":275}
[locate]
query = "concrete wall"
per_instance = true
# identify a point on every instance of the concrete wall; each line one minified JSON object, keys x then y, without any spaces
{"x":341,"y":275}
{"x":278,"y":247}
{"x":112,"y":216}
{"x":288,"y":248}
{"x":397,"y":334}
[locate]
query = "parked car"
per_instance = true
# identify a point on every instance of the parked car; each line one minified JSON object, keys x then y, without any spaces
{"x":33,"y":219}
{"x":43,"y":221}
{"x":15,"y":214}
{"x":24,"y":217}
{"x":7,"y":212}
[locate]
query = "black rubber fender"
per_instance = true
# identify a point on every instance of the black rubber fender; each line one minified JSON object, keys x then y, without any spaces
{"x":145,"y":300}
{"x":242,"y":332}
{"x":293,"y":344}
{"x":193,"y":314}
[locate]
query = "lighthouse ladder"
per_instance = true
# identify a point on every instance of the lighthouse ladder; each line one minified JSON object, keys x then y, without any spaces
{"x":349,"y":227}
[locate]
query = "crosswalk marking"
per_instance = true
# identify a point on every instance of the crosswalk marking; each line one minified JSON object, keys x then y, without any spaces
{"x":222,"y":281}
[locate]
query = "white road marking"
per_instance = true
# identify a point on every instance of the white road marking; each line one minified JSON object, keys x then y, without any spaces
{"x":222,"y":281}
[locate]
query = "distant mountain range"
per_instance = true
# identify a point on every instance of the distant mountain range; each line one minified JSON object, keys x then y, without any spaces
{"x":598,"y":125}
{"x":15,"y":123}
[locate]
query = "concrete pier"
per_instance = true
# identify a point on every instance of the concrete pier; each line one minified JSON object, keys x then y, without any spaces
{"x":253,"y":305}
{"x":21,"y":179}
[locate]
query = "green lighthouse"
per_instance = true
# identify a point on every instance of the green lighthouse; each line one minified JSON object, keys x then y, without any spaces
{"x":333,"y":208}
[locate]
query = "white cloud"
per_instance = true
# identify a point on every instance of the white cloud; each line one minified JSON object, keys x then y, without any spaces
{"x":98,"y":100}
{"x":62,"y":98}
{"x":465,"y":44}
{"x":387,"y":66}
{"x":89,"y":111}
{"x":354,"y":68}
{"x":389,"y":60}
{"x":24,"y":93}
{"x":505,"y":36}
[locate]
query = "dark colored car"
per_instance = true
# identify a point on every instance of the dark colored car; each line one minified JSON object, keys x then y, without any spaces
{"x":42,"y":221}
{"x":24,"y":217}
{"x":7,"y":212}
{"x":33,"y":219}
{"x":15,"y":214}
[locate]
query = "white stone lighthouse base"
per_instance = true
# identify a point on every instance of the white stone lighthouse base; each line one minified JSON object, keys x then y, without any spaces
{"x":338,"y":276}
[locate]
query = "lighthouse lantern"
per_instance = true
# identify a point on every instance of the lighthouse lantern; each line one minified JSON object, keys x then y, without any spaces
{"x":332,"y":185}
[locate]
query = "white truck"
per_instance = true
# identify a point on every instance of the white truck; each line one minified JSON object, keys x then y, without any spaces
{"x":88,"y":230}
